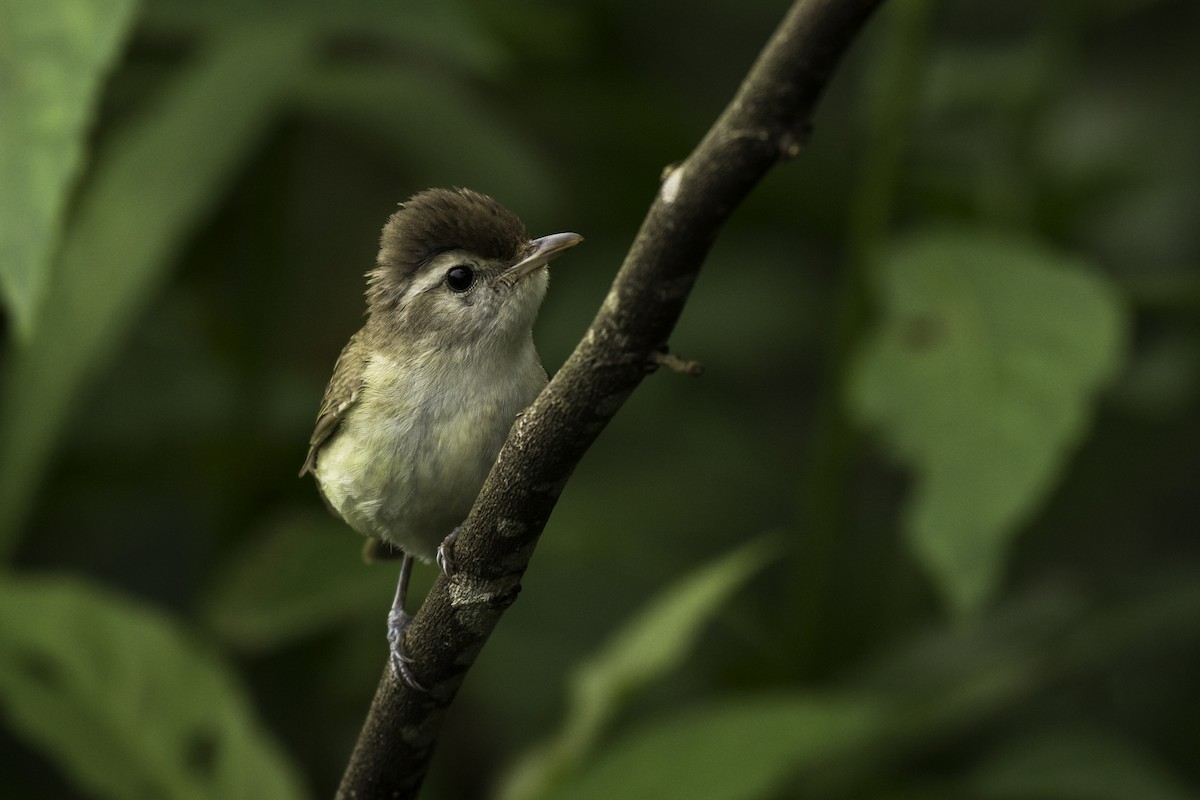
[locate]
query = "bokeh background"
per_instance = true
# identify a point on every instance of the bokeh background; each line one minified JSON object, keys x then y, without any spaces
{"x":926,"y":527}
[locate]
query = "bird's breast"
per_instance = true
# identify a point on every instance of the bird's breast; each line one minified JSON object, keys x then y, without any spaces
{"x":411,"y":455}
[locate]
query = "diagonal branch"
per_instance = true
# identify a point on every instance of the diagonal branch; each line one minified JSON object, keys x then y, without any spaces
{"x":768,"y":120}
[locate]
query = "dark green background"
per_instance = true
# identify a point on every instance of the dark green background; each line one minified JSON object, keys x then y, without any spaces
{"x":171,"y":481}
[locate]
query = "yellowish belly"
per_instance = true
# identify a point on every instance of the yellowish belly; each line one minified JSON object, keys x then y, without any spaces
{"x":407,"y":472}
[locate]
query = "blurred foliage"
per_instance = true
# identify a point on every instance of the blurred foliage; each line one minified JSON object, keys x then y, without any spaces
{"x":988,"y":355}
{"x":952,"y":354}
{"x":126,"y":703}
{"x":145,"y":196}
{"x":647,"y":649}
{"x":57,"y":54}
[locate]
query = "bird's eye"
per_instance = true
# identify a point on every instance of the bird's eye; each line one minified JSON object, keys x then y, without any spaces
{"x":459,"y":279}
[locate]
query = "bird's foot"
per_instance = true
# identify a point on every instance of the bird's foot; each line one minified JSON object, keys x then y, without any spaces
{"x":445,"y":553}
{"x":398,"y":621}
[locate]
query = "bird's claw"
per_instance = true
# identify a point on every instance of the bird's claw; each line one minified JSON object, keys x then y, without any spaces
{"x":445,"y":553}
{"x":398,"y":621}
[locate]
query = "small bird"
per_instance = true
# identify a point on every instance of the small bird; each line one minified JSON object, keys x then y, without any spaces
{"x":423,"y":396}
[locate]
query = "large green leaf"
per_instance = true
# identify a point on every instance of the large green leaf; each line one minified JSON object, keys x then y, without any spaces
{"x":729,"y":750}
{"x":151,"y":189}
{"x":56,"y":54}
{"x":298,"y":575}
{"x":645,"y":649}
{"x":124,"y":703}
{"x":982,"y":375}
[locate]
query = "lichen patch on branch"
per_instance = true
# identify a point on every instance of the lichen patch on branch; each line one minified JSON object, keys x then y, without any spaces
{"x":670,"y":187}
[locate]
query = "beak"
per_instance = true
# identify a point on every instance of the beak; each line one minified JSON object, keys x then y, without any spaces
{"x":539,"y":253}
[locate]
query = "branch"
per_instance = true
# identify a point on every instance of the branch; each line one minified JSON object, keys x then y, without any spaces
{"x":768,"y":120}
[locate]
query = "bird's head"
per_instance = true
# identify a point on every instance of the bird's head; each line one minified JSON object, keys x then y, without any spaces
{"x":457,"y":268}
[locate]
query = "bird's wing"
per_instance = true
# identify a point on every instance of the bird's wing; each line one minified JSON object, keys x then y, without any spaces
{"x":342,"y":392}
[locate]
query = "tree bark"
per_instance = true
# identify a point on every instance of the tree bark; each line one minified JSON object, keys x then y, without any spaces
{"x":767,"y":121}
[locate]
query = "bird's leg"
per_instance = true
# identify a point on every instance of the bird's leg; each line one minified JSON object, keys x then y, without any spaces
{"x":398,"y":620}
{"x":445,"y":552}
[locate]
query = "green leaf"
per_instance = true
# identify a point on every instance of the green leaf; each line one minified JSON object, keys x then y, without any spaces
{"x":1071,"y":764}
{"x":56,"y":56}
{"x":148,"y":193}
{"x":730,"y":750}
{"x":299,"y":575}
{"x":647,"y":648}
{"x":125,"y":703}
{"x":918,"y":698}
{"x":982,"y":375}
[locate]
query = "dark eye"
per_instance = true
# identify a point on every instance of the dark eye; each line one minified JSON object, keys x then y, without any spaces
{"x":459,"y":279}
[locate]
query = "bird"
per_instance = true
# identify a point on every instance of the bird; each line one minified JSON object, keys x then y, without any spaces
{"x":423,"y":395}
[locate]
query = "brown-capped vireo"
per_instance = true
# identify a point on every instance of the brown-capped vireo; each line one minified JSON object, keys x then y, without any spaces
{"x":423,"y":396}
